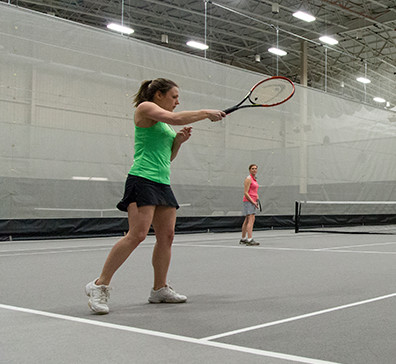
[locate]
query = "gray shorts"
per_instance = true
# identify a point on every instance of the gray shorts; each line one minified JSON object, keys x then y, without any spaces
{"x":248,"y":208}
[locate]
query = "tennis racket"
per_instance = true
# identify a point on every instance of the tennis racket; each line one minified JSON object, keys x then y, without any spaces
{"x":266,"y":93}
{"x":259,"y":205}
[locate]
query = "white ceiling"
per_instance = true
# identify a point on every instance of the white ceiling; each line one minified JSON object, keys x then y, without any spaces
{"x":237,"y":30}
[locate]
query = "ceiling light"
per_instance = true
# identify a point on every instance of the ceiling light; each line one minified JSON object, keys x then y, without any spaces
{"x":328,"y":40}
{"x":257,"y":58}
{"x":277,"y":51}
{"x":363,"y":80}
{"x":387,"y":104}
{"x":275,"y":8}
{"x":379,"y":99}
{"x":198,"y":45}
{"x":164,"y":38}
{"x":120,"y":28}
{"x":304,"y":16}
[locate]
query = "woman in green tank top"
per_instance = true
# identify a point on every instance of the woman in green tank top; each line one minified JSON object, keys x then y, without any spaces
{"x":148,"y":197}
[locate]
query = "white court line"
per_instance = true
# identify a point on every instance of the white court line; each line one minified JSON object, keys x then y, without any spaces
{"x":295,"y":318}
{"x":264,"y":353}
{"x":59,"y":250}
{"x":358,"y":246}
{"x":243,"y":247}
{"x":317,"y":250}
{"x":66,"y":247}
{"x":360,"y":252}
{"x":57,"y":240}
{"x":50,"y":251}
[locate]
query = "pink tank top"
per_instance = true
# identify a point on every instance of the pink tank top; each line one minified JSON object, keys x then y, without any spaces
{"x":252,"y":190}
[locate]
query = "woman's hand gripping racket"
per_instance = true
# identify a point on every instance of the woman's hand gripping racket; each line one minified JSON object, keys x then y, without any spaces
{"x":269,"y":92}
{"x":259,"y":205}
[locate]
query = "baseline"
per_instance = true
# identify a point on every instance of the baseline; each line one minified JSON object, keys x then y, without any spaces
{"x":360,"y":245}
{"x":264,"y":353}
{"x":315,"y":250}
{"x":60,"y":250}
{"x":295,"y":318}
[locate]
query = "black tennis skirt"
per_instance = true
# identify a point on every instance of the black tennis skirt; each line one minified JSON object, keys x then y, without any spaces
{"x":146,"y":192}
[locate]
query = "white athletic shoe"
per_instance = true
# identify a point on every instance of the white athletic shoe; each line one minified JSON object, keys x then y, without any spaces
{"x":98,"y":297}
{"x":166,"y":295}
{"x":251,"y":242}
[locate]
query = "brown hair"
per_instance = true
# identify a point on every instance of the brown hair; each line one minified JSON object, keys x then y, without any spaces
{"x":252,"y":165}
{"x":148,"y":89}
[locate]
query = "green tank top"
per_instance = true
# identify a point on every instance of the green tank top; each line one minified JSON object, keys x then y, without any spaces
{"x":153,"y":150}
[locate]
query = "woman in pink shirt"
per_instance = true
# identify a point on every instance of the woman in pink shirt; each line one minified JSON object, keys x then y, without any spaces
{"x":250,"y":204}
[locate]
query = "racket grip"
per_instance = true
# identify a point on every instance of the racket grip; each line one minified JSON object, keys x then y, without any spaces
{"x":230,"y":109}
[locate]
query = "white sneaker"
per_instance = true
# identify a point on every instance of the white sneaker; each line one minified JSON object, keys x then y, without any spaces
{"x":98,"y":296}
{"x":251,"y":242}
{"x":166,"y":295}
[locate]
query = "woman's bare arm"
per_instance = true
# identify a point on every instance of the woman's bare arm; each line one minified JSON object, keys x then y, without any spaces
{"x":148,"y":113}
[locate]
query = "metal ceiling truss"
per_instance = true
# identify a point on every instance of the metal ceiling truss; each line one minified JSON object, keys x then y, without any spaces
{"x":237,"y":30}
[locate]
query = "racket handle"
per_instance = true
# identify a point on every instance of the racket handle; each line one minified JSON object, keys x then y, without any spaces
{"x":230,"y":109}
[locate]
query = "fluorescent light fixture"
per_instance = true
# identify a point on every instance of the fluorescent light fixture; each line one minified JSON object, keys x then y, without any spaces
{"x":275,"y":8}
{"x":277,"y":51}
{"x":164,"y":38}
{"x":363,"y":80}
{"x":379,"y":99}
{"x":257,"y":58}
{"x":387,"y":104}
{"x":304,"y":16}
{"x":328,"y":40}
{"x":198,"y":45}
{"x":120,"y":28}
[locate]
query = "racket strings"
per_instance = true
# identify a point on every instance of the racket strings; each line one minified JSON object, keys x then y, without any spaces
{"x":271,"y":92}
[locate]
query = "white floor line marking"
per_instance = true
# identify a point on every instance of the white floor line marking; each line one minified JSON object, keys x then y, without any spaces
{"x":319,"y":250}
{"x":271,"y":354}
{"x":360,"y":245}
{"x":40,"y":251}
{"x":54,"y":248}
{"x":295,"y":318}
{"x":359,"y":251}
{"x":59,"y":250}
{"x":243,"y":247}
{"x":51,"y":252}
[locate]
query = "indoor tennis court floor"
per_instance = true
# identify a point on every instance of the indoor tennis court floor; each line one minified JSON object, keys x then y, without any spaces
{"x":297,"y":298}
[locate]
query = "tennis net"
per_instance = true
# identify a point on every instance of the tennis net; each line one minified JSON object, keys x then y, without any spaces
{"x":353,"y":217}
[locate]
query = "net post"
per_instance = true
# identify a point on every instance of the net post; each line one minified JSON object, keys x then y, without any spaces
{"x":296,"y":217}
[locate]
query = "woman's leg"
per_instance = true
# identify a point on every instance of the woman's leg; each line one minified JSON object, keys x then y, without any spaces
{"x":139,"y":220}
{"x":250,"y":224}
{"x":164,"y":221}
{"x":244,"y":227}
{"x":164,"y":226}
